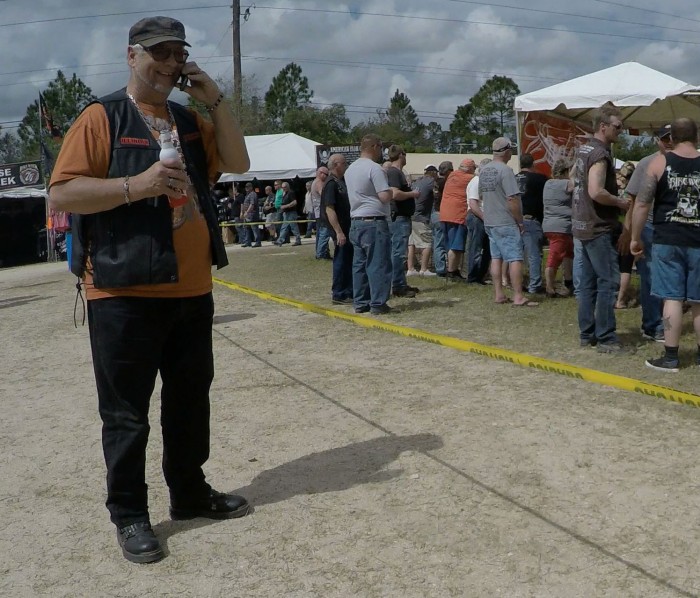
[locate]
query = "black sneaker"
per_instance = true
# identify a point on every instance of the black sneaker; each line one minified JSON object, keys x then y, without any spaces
{"x":404,"y":292}
{"x":343,"y":301}
{"x":589,"y":342}
{"x":380,"y":309}
{"x":456,"y":276}
{"x":216,"y":505}
{"x":362,"y":310}
{"x":663,"y":364}
{"x":657,"y":336}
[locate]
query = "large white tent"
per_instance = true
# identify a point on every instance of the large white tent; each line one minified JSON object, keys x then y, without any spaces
{"x":647,"y":98}
{"x":282,"y":156}
{"x":553,"y":121}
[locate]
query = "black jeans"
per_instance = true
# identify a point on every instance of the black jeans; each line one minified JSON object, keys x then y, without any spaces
{"x":133,"y":339}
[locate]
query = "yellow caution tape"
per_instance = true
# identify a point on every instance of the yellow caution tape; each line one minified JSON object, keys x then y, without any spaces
{"x":522,"y":359}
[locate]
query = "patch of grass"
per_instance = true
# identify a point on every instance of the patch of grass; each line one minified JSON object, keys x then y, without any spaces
{"x":468,"y":312}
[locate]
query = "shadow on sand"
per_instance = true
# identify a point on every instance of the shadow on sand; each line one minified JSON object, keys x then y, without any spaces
{"x":328,"y":471}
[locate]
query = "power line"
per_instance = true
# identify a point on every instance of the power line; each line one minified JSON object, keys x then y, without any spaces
{"x":568,"y":14}
{"x":473,"y":22}
{"x":658,"y":12}
{"x":112,"y":14}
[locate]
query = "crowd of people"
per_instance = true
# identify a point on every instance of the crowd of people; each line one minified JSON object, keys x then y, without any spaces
{"x":489,"y":225}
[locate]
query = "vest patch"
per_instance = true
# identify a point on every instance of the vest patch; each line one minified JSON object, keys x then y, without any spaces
{"x":134,"y":141}
{"x":192,"y":136}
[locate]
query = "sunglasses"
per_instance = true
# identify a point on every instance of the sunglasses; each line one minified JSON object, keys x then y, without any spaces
{"x":162,"y":53}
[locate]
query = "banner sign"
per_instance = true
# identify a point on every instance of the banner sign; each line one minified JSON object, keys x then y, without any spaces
{"x":23,"y":174}
{"x":548,"y":138}
{"x":323,"y":152}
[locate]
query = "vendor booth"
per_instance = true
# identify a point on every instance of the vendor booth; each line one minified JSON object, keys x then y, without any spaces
{"x":24,"y":235}
{"x":284,"y":156}
{"x":553,"y":121}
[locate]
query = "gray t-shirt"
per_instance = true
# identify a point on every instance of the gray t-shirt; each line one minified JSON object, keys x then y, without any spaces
{"x":424,"y":202}
{"x":251,"y":203}
{"x":365,"y":179}
{"x":557,"y":207}
{"x":496,"y":184}
{"x":635,"y":183}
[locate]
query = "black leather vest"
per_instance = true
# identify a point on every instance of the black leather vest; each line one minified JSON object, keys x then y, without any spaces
{"x":133,"y":244}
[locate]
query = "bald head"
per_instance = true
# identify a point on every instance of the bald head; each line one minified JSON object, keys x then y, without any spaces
{"x":337,"y":164}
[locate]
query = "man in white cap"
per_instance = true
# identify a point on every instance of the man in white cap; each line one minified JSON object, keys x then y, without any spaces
{"x":503,"y":219}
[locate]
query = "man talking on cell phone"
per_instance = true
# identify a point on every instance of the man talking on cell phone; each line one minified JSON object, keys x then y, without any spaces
{"x":146,"y":269}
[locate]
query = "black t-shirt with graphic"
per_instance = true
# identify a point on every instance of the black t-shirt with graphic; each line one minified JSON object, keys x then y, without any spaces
{"x":405,"y":207}
{"x":531,"y":185}
{"x":677,"y":203}
{"x":335,"y":194}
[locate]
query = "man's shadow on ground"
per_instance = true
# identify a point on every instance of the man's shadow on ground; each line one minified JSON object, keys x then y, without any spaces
{"x":328,"y":471}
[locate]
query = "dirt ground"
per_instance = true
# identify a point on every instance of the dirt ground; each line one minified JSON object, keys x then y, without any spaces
{"x":377,"y":465}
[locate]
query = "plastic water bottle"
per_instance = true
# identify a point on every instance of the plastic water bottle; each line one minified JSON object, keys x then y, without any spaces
{"x":170,"y":154}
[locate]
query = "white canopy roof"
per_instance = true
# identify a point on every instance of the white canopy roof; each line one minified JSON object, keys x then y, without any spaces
{"x":282,"y":156}
{"x":648,"y":99}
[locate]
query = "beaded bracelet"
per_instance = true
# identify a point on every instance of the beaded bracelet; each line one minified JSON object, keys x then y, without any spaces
{"x":215,"y":104}
{"x":125,"y":186}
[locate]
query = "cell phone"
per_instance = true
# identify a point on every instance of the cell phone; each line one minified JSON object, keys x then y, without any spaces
{"x":183,"y":82}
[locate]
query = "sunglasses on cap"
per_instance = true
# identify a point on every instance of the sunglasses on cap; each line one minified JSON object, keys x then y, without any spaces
{"x":161,"y":53}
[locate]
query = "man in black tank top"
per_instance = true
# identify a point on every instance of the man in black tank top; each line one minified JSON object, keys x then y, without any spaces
{"x":672,"y":185}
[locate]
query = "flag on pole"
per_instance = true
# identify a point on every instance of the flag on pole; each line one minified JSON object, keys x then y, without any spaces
{"x":47,"y":119}
{"x":46,"y":158}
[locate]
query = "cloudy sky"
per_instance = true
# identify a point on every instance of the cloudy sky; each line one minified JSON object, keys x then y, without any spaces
{"x":437,"y":51}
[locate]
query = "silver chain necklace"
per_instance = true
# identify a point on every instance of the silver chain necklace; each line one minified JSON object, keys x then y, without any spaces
{"x":155,"y":123}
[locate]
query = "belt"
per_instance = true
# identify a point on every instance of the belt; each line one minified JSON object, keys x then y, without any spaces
{"x":369,"y":218}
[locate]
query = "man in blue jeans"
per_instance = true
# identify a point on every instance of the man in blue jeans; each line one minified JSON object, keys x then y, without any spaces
{"x":288,"y":208}
{"x":403,"y":207}
{"x":369,"y":194}
{"x":335,"y":216}
{"x":652,"y":325}
{"x":672,"y":185}
{"x":595,"y":211}
{"x":439,"y":243}
{"x":531,"y":184}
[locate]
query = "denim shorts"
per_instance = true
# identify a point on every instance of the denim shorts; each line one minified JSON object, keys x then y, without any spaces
{"x":506,"y":243}
{"x":456,"y":235}
{"x":675,"y":272}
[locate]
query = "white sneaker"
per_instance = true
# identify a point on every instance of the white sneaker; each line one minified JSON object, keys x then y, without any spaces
{"x":412,"y":273}
{"x":427,"y":273}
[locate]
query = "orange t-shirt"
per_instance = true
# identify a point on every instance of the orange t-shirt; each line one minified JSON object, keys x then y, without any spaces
{"x":86,"y":152}
{"x":453,"y":207}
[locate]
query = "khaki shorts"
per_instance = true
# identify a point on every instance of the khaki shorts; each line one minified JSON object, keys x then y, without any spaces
{"x":421,"y":235}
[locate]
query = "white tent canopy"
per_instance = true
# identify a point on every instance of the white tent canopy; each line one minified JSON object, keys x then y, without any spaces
{"x":282,"y":156}
{"x":647,"y":98}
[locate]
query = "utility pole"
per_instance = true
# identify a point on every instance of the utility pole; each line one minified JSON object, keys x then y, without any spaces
{"x":237,"y":76}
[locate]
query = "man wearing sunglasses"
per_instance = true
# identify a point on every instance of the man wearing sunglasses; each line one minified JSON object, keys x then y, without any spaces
{"x":146,"y":268}
{"x":595,"y":213}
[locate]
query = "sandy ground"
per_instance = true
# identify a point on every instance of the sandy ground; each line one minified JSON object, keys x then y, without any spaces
{"x":378,"y":466}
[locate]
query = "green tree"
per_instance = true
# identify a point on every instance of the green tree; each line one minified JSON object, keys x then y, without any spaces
{"x":253,"y":116}
{"x":634,"y":148}
{"x":496,"y":98}
{"x":398,"y":124}
{"x":328,"y":125}
{"x":10,"y":150}
{"x":474,"y":127}
{"x":65,"y":100}
{"x":488,"y":114}
{"x":289,"y":90}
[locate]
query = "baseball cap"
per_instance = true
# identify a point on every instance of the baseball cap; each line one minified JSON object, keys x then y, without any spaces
{"x":501,"y":144}
{"x":430,"y":168}
{"x":467,"y":163}
{"x":156,"y":30}
{"x":663,"y":131}
{"x":445,"y":167}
